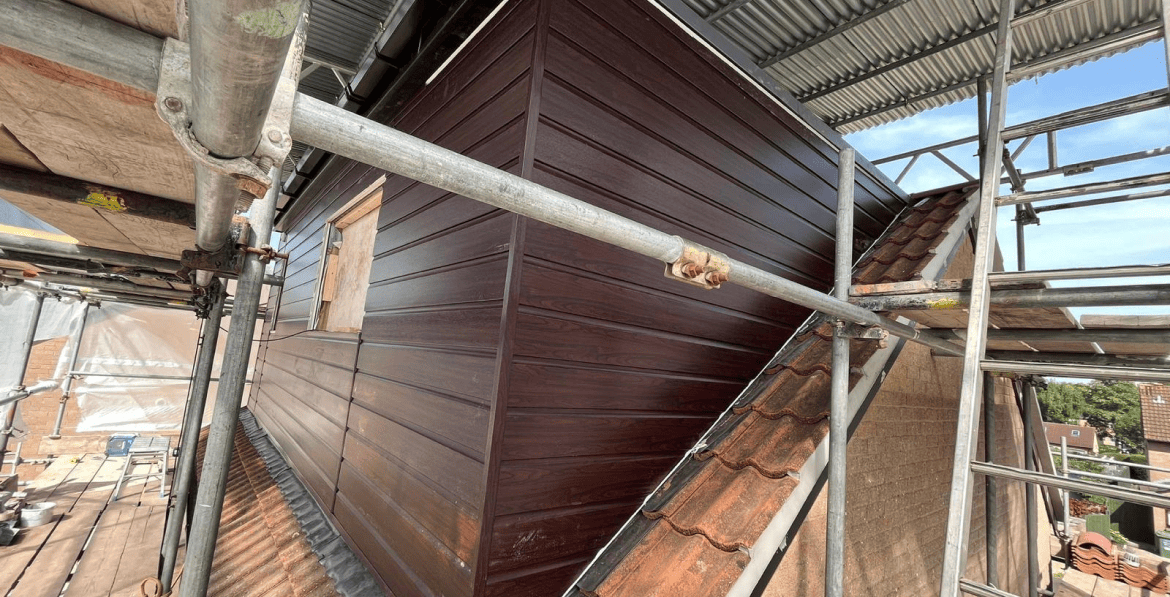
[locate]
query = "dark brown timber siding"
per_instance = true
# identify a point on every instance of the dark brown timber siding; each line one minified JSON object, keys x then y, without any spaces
{"x":608,"y":370}
{"x":616,"y":370}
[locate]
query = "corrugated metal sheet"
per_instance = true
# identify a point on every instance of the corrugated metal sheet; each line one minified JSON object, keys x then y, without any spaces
{"x":767,"y":28}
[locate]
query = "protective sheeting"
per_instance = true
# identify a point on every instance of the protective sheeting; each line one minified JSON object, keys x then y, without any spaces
{"x":120,"y":341}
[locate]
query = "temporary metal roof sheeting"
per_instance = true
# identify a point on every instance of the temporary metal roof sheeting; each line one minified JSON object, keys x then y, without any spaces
{"x":768,"y":28}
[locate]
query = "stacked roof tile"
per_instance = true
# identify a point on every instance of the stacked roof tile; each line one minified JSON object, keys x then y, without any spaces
{"x":693,"y":536}
{"x":1093,"y":554}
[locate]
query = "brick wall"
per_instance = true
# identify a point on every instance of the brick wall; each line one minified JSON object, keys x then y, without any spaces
{"x":900,"y":463}
{"x":1159,"y":454}
{"x":40,"y":412}
{"x":899,"y":476}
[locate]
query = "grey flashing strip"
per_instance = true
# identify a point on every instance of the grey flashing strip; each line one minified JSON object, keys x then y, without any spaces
{"x":350,"y":576}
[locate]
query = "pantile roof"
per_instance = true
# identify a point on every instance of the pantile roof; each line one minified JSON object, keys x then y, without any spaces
{"x":1155,"y":411}
{"x":693,"y":536}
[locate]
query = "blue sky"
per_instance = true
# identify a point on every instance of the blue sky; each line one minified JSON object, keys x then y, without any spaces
{"x":1135,"y":232}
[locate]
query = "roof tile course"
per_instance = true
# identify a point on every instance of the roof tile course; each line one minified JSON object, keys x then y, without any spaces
{"x":1155,"y":411}
{"x":704,"y":524}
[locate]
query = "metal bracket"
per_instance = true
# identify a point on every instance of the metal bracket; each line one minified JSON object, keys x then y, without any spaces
{"x":225,"y":260}
{"x":699,"y":266}
{"x":266,"y":252}
{"x":865,"y":332}
{"x":174,"y":98}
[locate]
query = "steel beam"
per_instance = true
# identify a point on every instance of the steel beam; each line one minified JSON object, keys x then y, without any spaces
{"x":839,"y":384}
{"x":192,"y":424}
{"x":68,"y":386}
{"x":1132,"y":496}
{"x":221,"y":435}
{"x":108,"y":200}
{"x":8,"y":412}
{"x":1078,"y":371}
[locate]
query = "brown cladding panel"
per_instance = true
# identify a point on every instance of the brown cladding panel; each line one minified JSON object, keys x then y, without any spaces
{"x":463,"y":374}
{"x":456,"y":423}
{"x":616,"y":371}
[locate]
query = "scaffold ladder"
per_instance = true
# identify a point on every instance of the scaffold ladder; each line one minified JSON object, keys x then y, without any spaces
{"x":977,"y":383}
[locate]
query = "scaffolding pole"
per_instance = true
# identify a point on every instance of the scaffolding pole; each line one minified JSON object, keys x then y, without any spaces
{"x":1064,"y":493}
{"x":991,"y":495}
{"x":192,"y":423}
{"x":1133,"y":496}
{"x":8,"y":413}
{"x":221,"y":436}
{"x":1079,"y":371}
{"x":1083,"y":273}
{"x":839,"y":384}
{"x":959,"y":509}
{"x":68,"y":385}
{"x":1032,"y":532}
{"x":1087,"y":296}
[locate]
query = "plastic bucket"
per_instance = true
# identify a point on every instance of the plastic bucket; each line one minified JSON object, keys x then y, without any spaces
{"x":34,"y":515}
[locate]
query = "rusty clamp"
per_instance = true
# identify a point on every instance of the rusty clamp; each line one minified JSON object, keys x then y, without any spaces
{"x":699,"y":266}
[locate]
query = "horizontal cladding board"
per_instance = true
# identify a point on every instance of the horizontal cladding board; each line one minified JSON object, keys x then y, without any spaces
{"x":357,"y":526}
{"x":537,"y":384}
{"x":304,"y":409}
{"x":559,"y":434}
{"x":456,"y":526}
{"x":471,"y":282}
{"x":582,"y":253}
{"x":457,"y":473}
{"x":704,"y":134}
{"x":426,"y":555}
{"x":463,"y":425}
{"x":474,"y":328}
{"x":545,"y":484}
{"x":471,"y":376}
{"x":317,"y":478}
{"x":462,"y":89}
{"x":570,"y":292}
{"x":529,"y":539}
{"x":490,"y":236}
{"x":546,"y":335}
{"x":546,"y":579}
{"x":333,"y":348}
{"x":353,"y":178}
{"x":805,"y":251}
{"x":434,"y":210}
{"x":334,"y":380}
{"x":678,"y":52}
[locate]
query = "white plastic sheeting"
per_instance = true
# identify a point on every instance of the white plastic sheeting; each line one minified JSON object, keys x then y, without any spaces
{"x":119,"y":340}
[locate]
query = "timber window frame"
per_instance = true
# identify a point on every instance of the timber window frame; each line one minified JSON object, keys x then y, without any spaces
{"x":334,"y":309}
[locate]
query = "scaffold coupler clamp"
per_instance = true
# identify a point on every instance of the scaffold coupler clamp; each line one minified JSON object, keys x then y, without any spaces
{"x":699,"y":266}
{"x":174,"y":98}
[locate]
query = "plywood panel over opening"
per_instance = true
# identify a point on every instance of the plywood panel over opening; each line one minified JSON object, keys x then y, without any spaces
{"x":347,"y":267}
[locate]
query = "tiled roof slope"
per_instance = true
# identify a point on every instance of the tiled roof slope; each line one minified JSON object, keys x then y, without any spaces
{"x":694,"y":535}
{"x":1155,"y":411}
{"x":269,"y":542}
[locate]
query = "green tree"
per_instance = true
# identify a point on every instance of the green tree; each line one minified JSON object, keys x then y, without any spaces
{"x":1116,"y":407}
{"x":1063,"y":402}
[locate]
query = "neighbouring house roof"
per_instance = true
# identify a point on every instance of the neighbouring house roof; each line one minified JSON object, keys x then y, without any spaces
{"x":861,"y":64}
{"x":1079,"y":436}
{"x":693,"y":536}
{"x":1155,"y":411}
